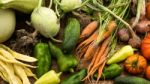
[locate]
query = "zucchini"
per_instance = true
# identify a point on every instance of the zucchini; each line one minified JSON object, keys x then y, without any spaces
{"x":131,"y":80}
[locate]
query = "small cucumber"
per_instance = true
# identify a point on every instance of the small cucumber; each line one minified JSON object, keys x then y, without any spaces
{"x":42,"y":53}
{"x":111,"y":71}
{"x":71,"y":35}
{"x":131,"y":80}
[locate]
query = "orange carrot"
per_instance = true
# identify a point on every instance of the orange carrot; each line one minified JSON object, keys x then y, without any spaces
{"x":103,"y":51}
{"x":103,"y":64}
{"x":81,"y":52}
{"x":88,"y":40}
{"x":111,"y":26}
{"x":89,"y":29}
{"x":101,"y":61}
{"x":103,"y":58}
{"x":103,"y":48}
{"x":86,"y":43}
{"x":100,"y":71}
{"x":94,"y":58}
{"x":90,"y":52}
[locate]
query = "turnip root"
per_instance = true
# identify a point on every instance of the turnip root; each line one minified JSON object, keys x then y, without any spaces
{"x":134,"y":42}
{"x":123,"y":34}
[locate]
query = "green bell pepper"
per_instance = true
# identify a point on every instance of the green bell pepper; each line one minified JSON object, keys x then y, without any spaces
{"x":65,"y":62}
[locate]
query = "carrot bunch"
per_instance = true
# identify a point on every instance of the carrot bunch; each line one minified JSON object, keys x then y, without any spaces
{"x":88,"y":50}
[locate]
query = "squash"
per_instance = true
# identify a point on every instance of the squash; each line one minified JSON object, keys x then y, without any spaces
{"x":148,"y":10}
{"x":147,"y":72}
{"x":135,"y":64}
{"x":145,"y":46}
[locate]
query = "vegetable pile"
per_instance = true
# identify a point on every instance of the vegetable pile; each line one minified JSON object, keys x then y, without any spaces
{"x":74,"y":41}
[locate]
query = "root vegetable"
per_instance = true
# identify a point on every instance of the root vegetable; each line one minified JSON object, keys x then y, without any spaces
{"x":143,"y":26}
{"x":45,"y":21}
{"x":135,"y":42}
{"x":124,"y":34}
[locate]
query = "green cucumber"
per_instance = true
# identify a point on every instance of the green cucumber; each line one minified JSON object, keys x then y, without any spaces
{"x":71,"y":35}
{"x":42,"y":53}
{"x":131,"y":80}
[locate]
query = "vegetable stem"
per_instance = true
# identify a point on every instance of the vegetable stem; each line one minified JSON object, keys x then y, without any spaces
{"x":84,"y":3}
{"x":55,"y":40}
{"x":40,"y":3}
{"x":139,"y":7}
{"x":106,"y":9}
{"x":50,"y":3}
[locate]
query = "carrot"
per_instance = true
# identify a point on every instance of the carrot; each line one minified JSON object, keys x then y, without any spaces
{"x":81,"y":52}
{"x":89,"y":29}
{"x":101,"y":61}
{"x":86,"y":43}
{"x":90,"y":52}
{"x":111,"y":26}
{"x":88,"y":40}
{"x":100,"y":71}
{"x":94,"y":58}
{"x":103,"y":51}
{"x":103,"y":64}
{"x":103,"y":48}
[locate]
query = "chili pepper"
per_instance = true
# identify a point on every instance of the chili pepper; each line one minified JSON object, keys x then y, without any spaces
{"x":65,"y":62}
{"x":75,"y":78}
{"x":50,"y":77}
{"x":42,"y":53}
{"x":121,"y":55}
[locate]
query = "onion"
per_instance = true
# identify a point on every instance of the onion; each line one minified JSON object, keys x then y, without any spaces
{"x":45,"y":21}
{"x":7,"y":24}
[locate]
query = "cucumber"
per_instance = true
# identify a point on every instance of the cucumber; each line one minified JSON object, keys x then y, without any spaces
{"x":42,"y":53}
{"x":131,"y":80}
{"x":111,"y":71}
{"x":71,"y":35}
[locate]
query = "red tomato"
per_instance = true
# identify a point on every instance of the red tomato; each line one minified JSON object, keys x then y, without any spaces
{"x":145,"y":46}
